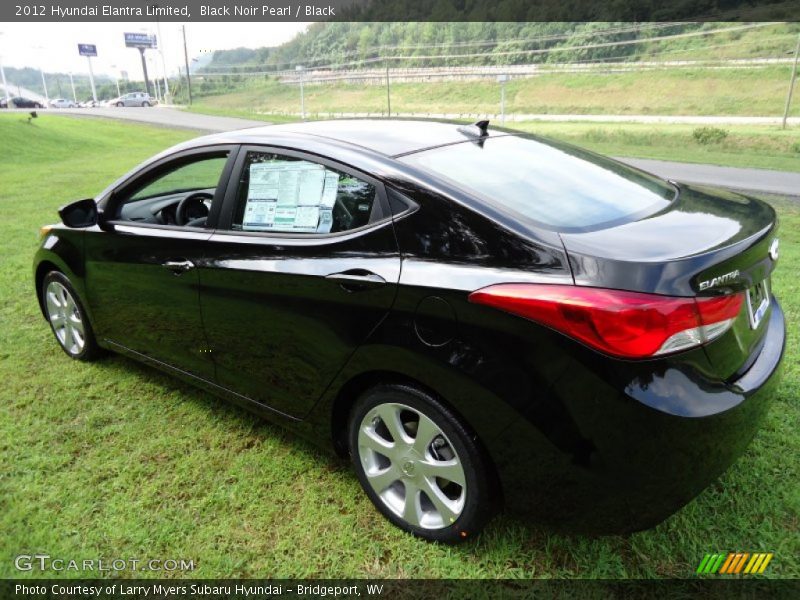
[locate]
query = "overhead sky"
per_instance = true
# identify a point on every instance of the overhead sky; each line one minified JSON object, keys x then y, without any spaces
{"x":54,"y":46}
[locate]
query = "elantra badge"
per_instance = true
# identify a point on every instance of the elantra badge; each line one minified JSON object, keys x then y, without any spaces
{"x":773,"y":249}
{"x":726,"y":278}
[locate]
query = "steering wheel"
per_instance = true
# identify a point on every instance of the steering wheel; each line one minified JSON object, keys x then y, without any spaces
{"x":192,"y":207}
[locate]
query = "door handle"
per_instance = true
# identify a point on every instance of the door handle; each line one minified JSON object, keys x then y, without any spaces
{"x":357,"y":279}
{"x":178,"y":266}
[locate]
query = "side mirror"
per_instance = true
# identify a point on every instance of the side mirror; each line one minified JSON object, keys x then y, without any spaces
{"x":81,"y":213}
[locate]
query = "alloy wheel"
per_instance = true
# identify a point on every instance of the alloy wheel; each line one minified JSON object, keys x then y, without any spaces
{"x":65,"y":317}
{"x":412,"y":466}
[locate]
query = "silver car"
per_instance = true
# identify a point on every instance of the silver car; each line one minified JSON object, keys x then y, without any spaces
{"x":134,"y":99}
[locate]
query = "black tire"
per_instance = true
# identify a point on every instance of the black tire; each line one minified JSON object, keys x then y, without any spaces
{"x":120,"y":104}
{"x":478,"y":500}
{"x":89,"y":350}
{"x":145,"y":104}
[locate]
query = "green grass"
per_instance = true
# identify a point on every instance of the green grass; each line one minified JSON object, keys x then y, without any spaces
{"x":752,"y":146}
{"x":113,"y":459}
{"x":674,"y":91}
{"x":756,"y":146}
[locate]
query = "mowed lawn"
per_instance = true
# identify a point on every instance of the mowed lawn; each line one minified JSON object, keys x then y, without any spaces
{"x":115,"y":460}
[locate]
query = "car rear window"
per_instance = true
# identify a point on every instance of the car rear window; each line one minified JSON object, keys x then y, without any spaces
{"x":555,"y":185}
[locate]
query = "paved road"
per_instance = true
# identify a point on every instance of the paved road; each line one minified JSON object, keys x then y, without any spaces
{"x":777,"y":182}
{"x":762,"y":180}
{"x":169,"y":117}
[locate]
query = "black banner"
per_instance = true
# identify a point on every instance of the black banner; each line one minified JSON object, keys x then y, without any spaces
{"x":250,"y":589}
{"x":399,"y":10}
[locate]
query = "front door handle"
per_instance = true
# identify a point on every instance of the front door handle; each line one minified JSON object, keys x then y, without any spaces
{"x":357,"y":279}
{"x":178,"y":266}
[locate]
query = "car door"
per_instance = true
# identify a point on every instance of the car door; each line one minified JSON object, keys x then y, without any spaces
{"x":141,"y":266}
{"x":302,"y":268}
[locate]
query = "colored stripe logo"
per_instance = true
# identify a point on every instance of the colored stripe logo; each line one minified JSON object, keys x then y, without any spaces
{"x":734,"y":563}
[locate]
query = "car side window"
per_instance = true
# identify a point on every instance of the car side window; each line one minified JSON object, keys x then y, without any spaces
{"x":291,"y":195}
{"x":155,"y":198}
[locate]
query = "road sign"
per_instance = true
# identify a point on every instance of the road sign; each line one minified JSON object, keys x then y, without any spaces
{"x":140,"y":40}
{"x":87,"y":49}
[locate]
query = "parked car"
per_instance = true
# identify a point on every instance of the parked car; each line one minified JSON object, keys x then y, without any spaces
{"x":133,"y":99}
{"x":62,"y":103}
{"x":20,"y":102}
{"x":476,"y":317}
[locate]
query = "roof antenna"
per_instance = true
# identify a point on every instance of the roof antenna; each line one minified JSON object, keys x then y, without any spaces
{"x":479,"y":129}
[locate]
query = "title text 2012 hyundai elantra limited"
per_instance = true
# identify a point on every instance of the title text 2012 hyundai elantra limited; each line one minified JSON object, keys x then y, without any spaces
{"x":479,"y":318}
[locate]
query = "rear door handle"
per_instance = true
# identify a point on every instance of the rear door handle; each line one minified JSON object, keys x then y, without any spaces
{"x":178,"y":266}
{"x":357,"y":279}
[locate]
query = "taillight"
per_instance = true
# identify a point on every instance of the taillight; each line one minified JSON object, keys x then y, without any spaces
{"x":620,"y":323}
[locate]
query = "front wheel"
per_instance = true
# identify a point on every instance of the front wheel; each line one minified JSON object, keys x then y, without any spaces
{"x":419,"y":464}
{"x":68,"y":319}
{"x":145,"y":104}
{"x":120,"y":104}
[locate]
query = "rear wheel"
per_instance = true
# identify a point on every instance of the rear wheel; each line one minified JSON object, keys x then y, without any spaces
{"x":67,"y":318}
{"x":419,"y":464}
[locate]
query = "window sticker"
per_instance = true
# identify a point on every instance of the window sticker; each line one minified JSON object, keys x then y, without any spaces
{"x":288,"y":196}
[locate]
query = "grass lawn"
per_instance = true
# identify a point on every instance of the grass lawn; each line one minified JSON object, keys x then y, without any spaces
{"x":113,"y":459}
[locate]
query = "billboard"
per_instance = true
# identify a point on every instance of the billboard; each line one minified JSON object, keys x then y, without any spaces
{"x":140,"y":40}
{"x":87,"y":49}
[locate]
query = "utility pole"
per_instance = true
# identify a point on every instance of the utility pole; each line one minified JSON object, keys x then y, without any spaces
{"x":791,"y":83}
{"x":388,"y":92}
{"x":186,"y":60}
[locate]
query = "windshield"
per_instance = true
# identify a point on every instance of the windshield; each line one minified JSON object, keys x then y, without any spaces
{"x":556,"y":185}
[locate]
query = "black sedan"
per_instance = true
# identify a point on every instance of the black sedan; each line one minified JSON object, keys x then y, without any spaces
{"x":20,"y":102}
{"x":476,"y":317}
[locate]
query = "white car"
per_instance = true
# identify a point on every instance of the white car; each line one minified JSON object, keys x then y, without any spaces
{"x":133,"y":99}
{"x":62,"y":103}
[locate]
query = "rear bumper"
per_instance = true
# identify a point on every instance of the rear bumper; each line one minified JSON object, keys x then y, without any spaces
{"x":636,"y":445}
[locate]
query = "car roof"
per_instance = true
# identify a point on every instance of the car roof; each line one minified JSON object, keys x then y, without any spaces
{"x":384,"y":136}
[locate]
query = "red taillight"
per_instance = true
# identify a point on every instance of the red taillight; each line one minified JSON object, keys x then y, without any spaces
{"x":620,"y":323}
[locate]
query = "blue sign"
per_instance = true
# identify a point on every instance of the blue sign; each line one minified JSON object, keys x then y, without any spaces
{"x":87,"y":49}
{"x":140,"y":40}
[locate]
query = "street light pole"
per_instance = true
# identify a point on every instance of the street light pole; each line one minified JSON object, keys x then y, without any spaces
{"x":163,"y":63}
{"x":116,"y":80}
{"x":791,"y":83}
{"x":186,"y":60}
{"x":502,"y":79}
{"x":72,"y":85}
{"x":5,"y":85}
{"x":300,"y":69}
{"x":388,"y":92}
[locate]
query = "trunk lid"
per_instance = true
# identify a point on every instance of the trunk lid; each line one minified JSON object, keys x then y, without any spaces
{"x":706,"y":242}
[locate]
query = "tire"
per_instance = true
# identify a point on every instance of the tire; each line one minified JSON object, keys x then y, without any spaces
{"x":439,"y":509}
{"x":67,"y":317}
{"x":120,"y":104}
{"x":145,"y":103}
